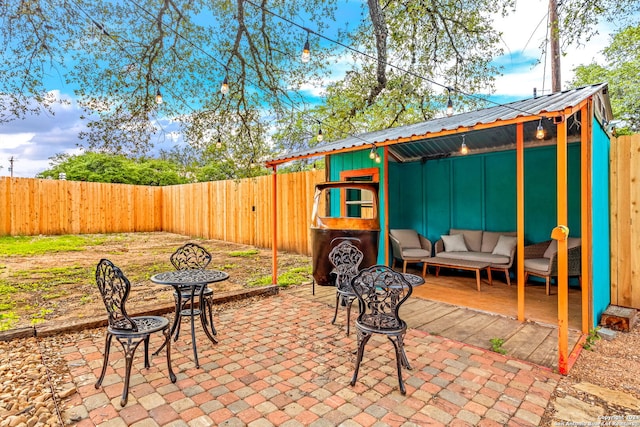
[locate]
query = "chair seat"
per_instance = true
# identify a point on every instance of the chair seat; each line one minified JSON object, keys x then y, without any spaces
{"x":537,"y":265}
{"x":381,"y":324}
{"x":415,"y":253}
{"x":145,"y":324}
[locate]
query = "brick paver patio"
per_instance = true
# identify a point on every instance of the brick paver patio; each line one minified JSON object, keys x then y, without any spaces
{"x":280,"y":362}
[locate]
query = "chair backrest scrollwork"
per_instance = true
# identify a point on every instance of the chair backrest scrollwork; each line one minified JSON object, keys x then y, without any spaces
{"x":346,"y":259}
{"x":114,"y":288}
{"x":381,"y":291}
{"x":190,"y":256}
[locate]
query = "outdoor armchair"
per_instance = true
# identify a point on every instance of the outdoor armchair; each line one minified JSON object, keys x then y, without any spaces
{"x":409,"y":247}
{"x":541,"y":260}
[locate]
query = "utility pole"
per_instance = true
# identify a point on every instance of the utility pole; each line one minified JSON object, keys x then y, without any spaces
{"x":11,"y":160}
{"x":554,"y":32}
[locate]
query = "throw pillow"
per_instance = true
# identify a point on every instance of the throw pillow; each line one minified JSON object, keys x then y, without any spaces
{"x":505,"y":245}
{"x":454,"y":243}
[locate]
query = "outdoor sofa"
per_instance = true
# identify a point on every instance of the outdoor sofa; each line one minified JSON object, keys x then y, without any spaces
{"x":495,"y":248}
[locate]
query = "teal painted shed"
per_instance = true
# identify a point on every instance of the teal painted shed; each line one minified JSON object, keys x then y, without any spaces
{"x":528,"y":166}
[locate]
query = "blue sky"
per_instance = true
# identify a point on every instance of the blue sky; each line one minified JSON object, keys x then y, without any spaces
{"x":32,"y":141}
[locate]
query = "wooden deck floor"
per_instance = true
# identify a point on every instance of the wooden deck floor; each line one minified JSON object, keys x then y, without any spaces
{"x":531,"y":341}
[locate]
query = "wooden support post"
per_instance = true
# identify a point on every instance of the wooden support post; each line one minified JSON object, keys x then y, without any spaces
{"x":586,"y":218}
{"x":274,"y":226}
{"x":385,"y":226}
{"x":563,"y":264}
{"x":520,"y":216}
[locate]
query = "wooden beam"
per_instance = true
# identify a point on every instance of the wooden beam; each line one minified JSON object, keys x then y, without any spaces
{"x":586,"y":224}
{"x":385,"y":187}
{"x":520,"y":217}
{"x":274,"y":227}
{"x":563,"y":265}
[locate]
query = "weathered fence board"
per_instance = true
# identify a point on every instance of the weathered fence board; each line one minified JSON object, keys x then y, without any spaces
{"x":625,"y":221}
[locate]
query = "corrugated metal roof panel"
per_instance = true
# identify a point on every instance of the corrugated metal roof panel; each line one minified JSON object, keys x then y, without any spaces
{"x":427,"y":143}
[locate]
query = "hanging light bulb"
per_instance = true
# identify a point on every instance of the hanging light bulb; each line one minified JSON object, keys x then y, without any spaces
{"x":158,"y":97}
{"x":313,"y":167}
{"x":219,"y":143}
{"x":464,"y":150}
{"x":224,"y":89}
{"x":306,"y":52}
{"x":373,"y":152}
{"x":449,"y":104}
{"x":319,"y":137}
{"x":540,"y":130}
{"x":378,"y":159}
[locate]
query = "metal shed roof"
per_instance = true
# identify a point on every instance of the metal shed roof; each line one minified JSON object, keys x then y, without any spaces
{"x":488,"y":129}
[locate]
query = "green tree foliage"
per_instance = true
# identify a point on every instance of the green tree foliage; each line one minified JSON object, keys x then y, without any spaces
{"x":622,"y":71}
{"x":118,"y":55}
{"x":100,"y":167}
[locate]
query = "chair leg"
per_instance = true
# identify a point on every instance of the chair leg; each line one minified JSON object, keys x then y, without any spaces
{"x":363,"y":337}
{"x":400,"y":360}
{"x":404,"y":266}
{"x":167,"y":339}
{"x":393,"y":263}
{"x":129,"y":347}
{"x":349,"y":303}
{"x":507,"y":276}
{"x":105,"y":362}
{"x":146,"y":352}
{"x":335,"y":314}
{"x":548,"y":283}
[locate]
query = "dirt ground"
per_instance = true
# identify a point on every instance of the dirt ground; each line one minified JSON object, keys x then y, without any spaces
{"x":61,"y":286}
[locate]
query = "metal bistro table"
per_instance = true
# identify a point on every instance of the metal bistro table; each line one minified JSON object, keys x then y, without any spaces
{"x":197,"y":280}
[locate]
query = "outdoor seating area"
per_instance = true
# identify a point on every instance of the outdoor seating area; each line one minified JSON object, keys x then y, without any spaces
{"x":280,"y":361}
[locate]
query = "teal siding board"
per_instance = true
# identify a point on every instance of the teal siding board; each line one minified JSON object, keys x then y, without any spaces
{"x":600,"y":222}
{"x":500,"y":192}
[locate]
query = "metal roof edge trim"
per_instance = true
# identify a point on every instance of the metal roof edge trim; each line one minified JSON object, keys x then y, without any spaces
{"x":344,"y":145}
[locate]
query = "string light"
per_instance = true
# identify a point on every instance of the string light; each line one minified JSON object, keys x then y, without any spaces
{"x":373,"y":153}
{"x":158,"y":97}
{"x":224,"y":89}
{"x":464,"y":150}
{"x":540,"y":130}
{"x":319,"y":137}
{"x":378,"y":159}
{"x":306,"y":52}
{"x":219,"y":143}
{"x":449,"y":104}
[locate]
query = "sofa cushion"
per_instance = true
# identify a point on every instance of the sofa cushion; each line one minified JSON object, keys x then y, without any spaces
{"x":407,"y":238}
{"x":505,"y":245}
{"x":472,"y":238}
{"x":494,"y":260}
{"x":454,"y":243}
{"x":489,"y":240}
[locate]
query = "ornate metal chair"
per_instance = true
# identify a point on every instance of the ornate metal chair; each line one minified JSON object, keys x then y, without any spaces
{"x":129,"y":331}
{"x":346,"y":259}
{"x":380,"y":292}
{"x":193,"y":256}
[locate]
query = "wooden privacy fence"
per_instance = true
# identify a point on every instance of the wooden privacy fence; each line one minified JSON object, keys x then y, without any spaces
{"x":625,"y":220}
{"x":235,"y":211}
